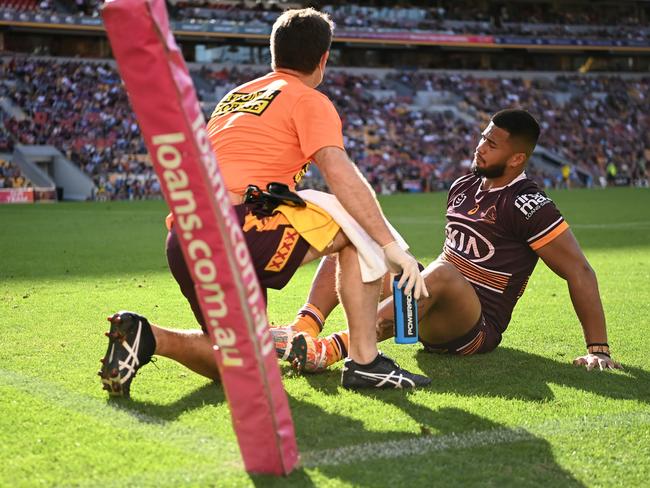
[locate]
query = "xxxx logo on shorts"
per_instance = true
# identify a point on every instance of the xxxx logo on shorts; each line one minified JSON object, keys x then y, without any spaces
{"x":283,"y":253}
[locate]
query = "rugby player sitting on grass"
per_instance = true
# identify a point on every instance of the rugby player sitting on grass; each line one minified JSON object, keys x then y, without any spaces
{"x":498,"y":224}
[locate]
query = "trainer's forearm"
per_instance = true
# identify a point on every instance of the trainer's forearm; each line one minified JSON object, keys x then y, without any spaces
{"x":353,"y":191}
{"x":583,"y":288}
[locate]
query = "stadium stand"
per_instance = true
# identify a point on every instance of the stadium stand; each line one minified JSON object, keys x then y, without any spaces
{"x":408,"y":130}
{"x":25,"y":5}
{"x":593,"y":21}
{"x":11,"y":176}
{"x":397,"y":142}
{"x":515,"y":18}
{"x":82,"y":109}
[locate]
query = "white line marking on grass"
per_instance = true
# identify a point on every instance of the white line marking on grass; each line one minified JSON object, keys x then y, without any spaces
{"x":467,"y":440}
{"x":149,"y":427}
{"x":419,"y":446}
{"x":222,"y":454}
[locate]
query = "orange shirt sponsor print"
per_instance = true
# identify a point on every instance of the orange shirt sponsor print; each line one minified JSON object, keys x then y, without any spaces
{"x":269,"y":129}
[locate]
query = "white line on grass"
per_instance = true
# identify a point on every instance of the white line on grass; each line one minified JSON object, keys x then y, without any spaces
{"x":158,"y":430}
{"x":467,"y":440}
{"x":227,"y":454}
{"x":419,"y":446}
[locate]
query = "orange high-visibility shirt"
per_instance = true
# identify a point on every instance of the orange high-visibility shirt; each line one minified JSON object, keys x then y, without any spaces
{"x":268,"y":130}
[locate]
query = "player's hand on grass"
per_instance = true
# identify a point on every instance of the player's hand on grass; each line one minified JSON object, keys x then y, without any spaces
{"x":596,"y":361}
{"x":399,"y":261}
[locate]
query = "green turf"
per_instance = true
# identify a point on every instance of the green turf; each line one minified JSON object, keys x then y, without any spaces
{"x":521,"y":416}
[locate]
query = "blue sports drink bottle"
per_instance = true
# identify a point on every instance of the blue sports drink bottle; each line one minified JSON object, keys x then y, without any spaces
{"x":406,"y":315}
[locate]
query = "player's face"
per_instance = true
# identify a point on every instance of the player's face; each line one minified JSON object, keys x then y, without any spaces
{"x":492,"y":153}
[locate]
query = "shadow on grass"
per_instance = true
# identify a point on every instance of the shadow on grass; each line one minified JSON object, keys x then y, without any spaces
{"x":454,"y":445}
{"x":516,"y":374}
{"x":208,"y":394}
{"x":484,"y":452}
{"x":299,"y":477}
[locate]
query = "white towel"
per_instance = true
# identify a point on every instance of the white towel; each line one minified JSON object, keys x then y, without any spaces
{"x":371,"y":255}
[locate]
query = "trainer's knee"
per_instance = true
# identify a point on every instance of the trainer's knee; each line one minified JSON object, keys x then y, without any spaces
{"x":339,"y":242}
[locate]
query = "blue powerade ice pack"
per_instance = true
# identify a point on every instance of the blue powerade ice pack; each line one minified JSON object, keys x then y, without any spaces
{"x":406,"y":315}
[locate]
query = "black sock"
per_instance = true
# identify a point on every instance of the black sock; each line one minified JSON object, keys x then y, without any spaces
{"x":372,"y":363}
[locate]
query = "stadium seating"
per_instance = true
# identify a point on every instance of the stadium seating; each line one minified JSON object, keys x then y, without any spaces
{"x":407,"y":131}
{"x":82,"y":109}
{"x":454,"y":18}
{"x":11,"y":176}
{"x":396,"y":142}
{"x":514,"y":18}
{"x":24,"y":5}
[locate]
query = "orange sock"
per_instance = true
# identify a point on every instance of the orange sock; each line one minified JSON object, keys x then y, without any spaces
{"x":309,"y":319}
{"x":337,"y":346}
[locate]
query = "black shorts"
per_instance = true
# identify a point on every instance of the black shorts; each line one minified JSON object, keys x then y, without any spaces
{"x":276,"y":248}
{"x":482,"y":338}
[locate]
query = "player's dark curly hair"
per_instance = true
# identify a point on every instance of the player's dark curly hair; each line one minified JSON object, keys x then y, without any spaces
{"x":520,"y":125}
{"x":300,"y":38}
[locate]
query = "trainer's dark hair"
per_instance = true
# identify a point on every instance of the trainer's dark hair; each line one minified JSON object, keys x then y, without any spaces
{"x":520,"y":125}
{"x":300,"y":38}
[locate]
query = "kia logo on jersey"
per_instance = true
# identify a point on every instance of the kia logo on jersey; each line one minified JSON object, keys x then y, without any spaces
{"x":468,"y":242}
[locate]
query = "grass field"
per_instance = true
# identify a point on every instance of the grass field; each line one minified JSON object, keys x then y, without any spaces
{"x":521,"y":416}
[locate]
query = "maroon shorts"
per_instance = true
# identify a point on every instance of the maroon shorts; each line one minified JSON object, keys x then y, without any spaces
{"x":276,"y":248}
{"x":482,"y":338}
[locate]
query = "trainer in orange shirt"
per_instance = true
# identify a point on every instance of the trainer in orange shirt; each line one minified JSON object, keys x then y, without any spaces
{"x":268,"y":130}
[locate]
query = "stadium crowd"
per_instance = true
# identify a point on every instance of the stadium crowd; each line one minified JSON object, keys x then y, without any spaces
{"x":11,"y":176}
{"x":550,"y":20}
{"x":448,"y":17}
{"x":610,"y":111}
{"x":81,"y":108}
{"x":394,"y":141}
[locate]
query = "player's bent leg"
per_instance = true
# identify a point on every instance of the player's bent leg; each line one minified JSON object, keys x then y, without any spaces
{"x":315,"y":354}
{"x":456,"y":308}
{"x":365,"y":367}
{"x":191,"y":348}
{"x":359,"y":300}
{"x":454,"y":322}
{"x":302,"y":353}
{"x":322,"y":299}
{"x":451,"y":309}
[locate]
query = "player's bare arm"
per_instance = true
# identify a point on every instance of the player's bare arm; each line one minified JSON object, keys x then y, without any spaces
{"x":353,"y":191}
{"x":565,"y":257}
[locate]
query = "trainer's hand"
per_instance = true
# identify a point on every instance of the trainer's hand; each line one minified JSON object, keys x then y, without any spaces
{"x":593,"y":361}
{"x":399,"y":261}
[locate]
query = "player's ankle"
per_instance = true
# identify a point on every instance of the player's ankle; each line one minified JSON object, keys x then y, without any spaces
{"x":337,"y":347}
{"x":309,"y":320}
{"x":364,"y":358}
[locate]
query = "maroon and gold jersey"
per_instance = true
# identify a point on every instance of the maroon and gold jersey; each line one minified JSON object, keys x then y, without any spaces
{"x":492,"y":236}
